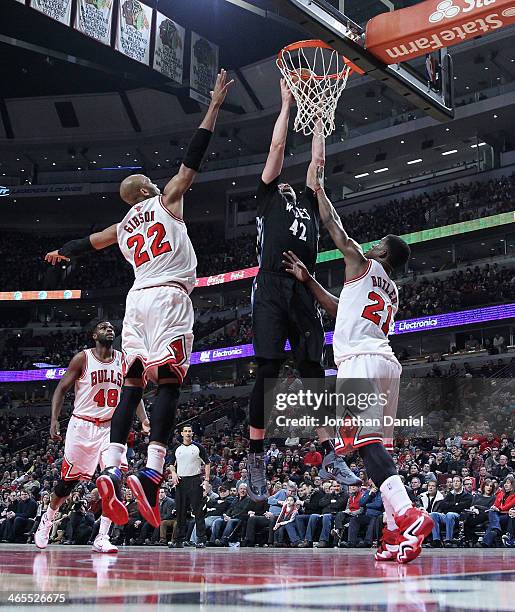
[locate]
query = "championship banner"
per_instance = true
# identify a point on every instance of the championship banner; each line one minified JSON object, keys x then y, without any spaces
{"x":401,"y":35}
{"x":60,"y":10}
{"x":133,"y":30}
{"x":94,"y":19}
{"x":203,"y":68}
{"x":169,"y":50}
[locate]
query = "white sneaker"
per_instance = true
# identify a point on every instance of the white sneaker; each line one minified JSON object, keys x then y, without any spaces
{"x":102,"y":544}
{"x":42,"y":534}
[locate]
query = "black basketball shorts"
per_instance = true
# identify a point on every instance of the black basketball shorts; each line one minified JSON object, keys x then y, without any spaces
{"x":284,"y":309}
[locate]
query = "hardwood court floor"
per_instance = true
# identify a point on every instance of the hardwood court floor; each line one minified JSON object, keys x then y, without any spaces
{"x":152,"y":578}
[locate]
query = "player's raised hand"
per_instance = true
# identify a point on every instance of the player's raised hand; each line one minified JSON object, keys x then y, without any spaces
{"x":295,"y":266}
{"x":286,"y":94}
{"x":54,"y":257}
{"x":221,"y":88}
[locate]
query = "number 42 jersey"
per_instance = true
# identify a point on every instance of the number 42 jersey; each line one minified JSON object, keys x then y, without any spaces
{"x":366,"y":310}
{"x":156,"y":243}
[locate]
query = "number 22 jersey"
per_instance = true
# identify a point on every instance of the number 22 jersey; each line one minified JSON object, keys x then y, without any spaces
{"x":366,"y":310}
{"x":156,"y":243}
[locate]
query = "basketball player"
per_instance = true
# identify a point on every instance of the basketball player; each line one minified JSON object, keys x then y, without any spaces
{"x":97,"y":374}
{"x":283,"y":308}
{"x":157,"y":329}
{"x":364,"y":312}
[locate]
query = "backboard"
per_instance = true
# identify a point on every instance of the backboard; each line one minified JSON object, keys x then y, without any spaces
{"x":427,"y":84}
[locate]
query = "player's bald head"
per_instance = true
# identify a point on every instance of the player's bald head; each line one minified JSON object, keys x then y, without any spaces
{"x":136,"y":188}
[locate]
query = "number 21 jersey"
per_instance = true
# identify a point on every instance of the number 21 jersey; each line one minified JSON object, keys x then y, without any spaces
{"x":366,"y":310}
{"x":156,"y":243}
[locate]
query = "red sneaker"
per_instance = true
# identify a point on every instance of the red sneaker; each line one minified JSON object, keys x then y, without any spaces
{"x":414,"y":525}
{"x":145,"y":486}
{"x":389,"y":546}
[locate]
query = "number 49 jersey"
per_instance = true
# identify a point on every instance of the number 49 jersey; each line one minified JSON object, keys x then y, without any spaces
{"x":368,"y":305}
{"x":98,"y":389}
{"x":156,"y":243}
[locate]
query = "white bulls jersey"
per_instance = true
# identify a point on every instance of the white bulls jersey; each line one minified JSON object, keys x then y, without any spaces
{"x":98,"y":390}
{"x":368,"y":305}
{"x":156,"y":243}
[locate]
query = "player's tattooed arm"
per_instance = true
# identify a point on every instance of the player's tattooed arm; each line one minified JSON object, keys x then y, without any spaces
{"x":275,"y":159}
{"x":81,"y":246}
{"x":297,"y":268}
{"x":355,"y":260}
{"x":73,"y":373}
{"x":317,"y":156}
{"x":182,"y":181}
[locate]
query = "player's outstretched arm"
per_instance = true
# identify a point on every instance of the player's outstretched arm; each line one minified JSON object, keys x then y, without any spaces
{"x":355,"y":260}
{"x":297,"y":268}
{"x":275,"y":159}
{"x":317,"y":156}
{"x":71,"y":375}
{"x":182,"y":181}
{"x":82,"y":246}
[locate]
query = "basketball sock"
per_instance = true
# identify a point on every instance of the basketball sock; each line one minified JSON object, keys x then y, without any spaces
{"x":162,"y":417}
{"x":50,"y":512}
{"x":123,"y":416}
{"x":105,"y":525}
{"x":156,"y":457}
{"x":394,"y":492}
{"x":256,"y":446}
{"x":378,"y":463}
{"x":328,"y":447}
{"x":390,"y":521}
{"x":113,"y":455}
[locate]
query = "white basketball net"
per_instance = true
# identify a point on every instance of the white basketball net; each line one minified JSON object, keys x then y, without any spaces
{"x":323,"y":77}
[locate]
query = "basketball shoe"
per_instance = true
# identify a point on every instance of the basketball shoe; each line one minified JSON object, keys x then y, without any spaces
{"x":335,"y":468}
{"x":414,"y":525}
{"x":145,"y":486}
{"x":256,"y":480}
{"x":109,"y":485}
{"x":389,"y":547}
{"x":102,"y":544}
{"x":42,"y":534}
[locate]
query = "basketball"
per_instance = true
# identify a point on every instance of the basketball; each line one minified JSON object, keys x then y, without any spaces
{"x":301,"y":74}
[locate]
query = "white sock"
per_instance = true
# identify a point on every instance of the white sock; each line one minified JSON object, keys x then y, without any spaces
{"x":156,"y":457}
{"x":105,"y":524}
{"x":113,"y":455}
{"x":50,"y":512}
{"x":390,"y":521}
{"x":393,"y":491}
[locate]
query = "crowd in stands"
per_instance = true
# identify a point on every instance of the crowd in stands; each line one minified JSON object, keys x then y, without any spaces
{"x":23,"y":267}
{"x":465,"y":480}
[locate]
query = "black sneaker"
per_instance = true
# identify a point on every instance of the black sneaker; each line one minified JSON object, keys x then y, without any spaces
{"x":200,"y":545}
{"x":335,"y":468}
{"x":256,"y":478}
{"x":145,"y":486}
{"x":109,"y":485}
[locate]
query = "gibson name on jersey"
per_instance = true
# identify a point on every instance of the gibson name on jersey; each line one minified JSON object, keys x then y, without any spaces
{"x":138,"y":219}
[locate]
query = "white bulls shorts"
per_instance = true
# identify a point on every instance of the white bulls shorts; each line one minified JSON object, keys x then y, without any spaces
{"x":383,"y":375}
{"x":158,"y":330}
{"x":84,"y":449}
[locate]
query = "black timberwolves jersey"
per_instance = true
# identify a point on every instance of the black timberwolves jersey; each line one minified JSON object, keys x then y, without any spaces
{"x":286,"y":225}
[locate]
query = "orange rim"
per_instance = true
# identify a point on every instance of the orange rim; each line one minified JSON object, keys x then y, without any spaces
{"x":309,"y":44}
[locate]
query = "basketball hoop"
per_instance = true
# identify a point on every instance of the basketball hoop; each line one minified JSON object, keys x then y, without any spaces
{"x":316,"y":75}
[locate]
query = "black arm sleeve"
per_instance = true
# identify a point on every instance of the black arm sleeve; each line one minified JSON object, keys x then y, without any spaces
{"x":81,"y":246}
{"x":197,"y":149}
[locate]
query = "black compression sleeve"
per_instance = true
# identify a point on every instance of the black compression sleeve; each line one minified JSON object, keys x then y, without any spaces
{"x":81,"y":246}
{"x":197,"y":149}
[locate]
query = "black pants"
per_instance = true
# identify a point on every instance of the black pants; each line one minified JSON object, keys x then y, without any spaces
{"x":473,"y":522}
{"x":259,"y":523}
{"x":189,"y":495}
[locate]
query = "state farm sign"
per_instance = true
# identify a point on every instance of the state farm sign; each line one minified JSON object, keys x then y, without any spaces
{"x":402,"y":35}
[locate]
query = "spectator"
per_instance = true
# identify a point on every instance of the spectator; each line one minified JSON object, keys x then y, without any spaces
{"x":498,"y":515}
{"x":312,"y":458}
{"x":502,"y":469}
{"x":21,"y":519}
{"x":372,"y":506}
{"x":286,"y":517}
{"x":223,"y":528}
{"x":431,"y":497}
{"x":448,"y":511}
{"x":477,"y":515}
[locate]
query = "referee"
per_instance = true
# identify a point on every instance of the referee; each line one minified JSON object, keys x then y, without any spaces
{"x":282,"y":307}
{"x":186,"y":466}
